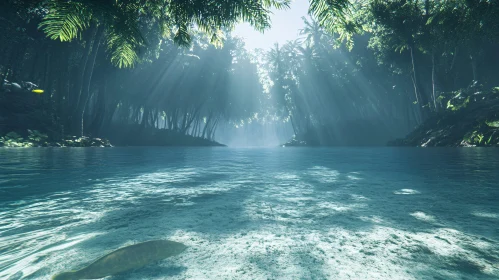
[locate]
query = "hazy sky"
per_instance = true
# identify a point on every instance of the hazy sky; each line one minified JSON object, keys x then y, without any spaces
{"x":285,"y":26}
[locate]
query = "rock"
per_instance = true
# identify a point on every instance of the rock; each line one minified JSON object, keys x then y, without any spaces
{"x":471,"y":125}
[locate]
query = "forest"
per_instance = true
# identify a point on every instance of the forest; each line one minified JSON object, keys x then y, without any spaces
{"x":136,"y":72}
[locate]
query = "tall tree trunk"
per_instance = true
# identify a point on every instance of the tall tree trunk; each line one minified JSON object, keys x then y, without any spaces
{"x":100,"y":110}
{"x":414,"y":78}
{"x":79,"y":84}
{"x":184,"y":121}
{"x":421,"y":98}
{"x":88,"y":78}
{"x":192,"y":117}
{"x":206,"y":125}
{"x":145,"y":115}
{"x":198,"y":132}
{"x":433,"y":80}
{"x":473,"y":67}
{"x":108,"y":119}
{"x":293,"y":125}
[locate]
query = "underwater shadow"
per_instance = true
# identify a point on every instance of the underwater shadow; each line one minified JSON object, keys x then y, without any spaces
{"x":151,"y":271}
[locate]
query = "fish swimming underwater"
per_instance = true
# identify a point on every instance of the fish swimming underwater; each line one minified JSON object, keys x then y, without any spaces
{"x":124,"y":259}
{"x":38,"y":91}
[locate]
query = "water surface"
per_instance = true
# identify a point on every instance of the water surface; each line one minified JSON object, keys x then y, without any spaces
{"x":288,"y":213}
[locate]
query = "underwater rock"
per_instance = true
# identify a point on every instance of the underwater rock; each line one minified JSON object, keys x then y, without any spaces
{"x":125,"y":259}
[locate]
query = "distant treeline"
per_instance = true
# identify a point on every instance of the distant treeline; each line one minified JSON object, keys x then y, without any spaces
{"x":384,"y":68}
{"x":103,"y":63}
{"x":358,"y":69}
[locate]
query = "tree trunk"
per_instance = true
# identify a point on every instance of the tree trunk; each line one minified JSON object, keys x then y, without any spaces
{"x":198,"y":132}
{"x":206,"y":125}
{"x":145,"y":115}
{"x":100,"y":110}
{"x":192,"y":117}
{"x":211,"y":130}
{"x":433,"y":80}
{"x":414,"y":78}
{"x":473,"y":68}
{"x":108,"y":119}
{"x":421,"y":99}
{"x":184,"y":122}
{"x":78,"y":86}
{"x":88,"y":78}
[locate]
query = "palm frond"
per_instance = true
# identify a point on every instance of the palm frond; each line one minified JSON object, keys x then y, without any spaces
{"x":329,"y":13}
{"x":124,"y":37}
{"x":66,"y":20}
{"x":182,"y":37}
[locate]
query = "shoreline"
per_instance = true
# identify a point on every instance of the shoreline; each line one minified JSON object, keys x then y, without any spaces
{"x":36,"y":139}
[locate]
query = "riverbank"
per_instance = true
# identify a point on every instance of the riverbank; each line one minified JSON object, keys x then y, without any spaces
{"x":34,"y":138}
{"x":470,"y":120}
{"x":123,"y":138}
{"x":29,"y":120}
{"x":136,"y":135}
{"x":347,"y":133}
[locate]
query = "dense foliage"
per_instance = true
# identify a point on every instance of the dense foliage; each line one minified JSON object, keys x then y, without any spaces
{"x":185,"y":81}
{"x":385,"y":68}
{"x":362,"y":72}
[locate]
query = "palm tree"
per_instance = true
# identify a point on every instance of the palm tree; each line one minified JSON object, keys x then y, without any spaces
{"x":329,"y":13}
{"x":121,"y":21}
{"x":313,"y":32}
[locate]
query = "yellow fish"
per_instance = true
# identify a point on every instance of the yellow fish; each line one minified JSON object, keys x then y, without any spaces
{"x":124,"y":259}
{"x":38,"y":91}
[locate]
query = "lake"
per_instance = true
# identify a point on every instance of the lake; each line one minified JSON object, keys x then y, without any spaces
{"x":276,"y":213}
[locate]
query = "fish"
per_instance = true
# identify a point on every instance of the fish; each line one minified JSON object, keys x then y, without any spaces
{"x":38,"y":91}
{"x":125,"y":259}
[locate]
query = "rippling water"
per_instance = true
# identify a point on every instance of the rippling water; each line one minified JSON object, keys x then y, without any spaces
{"x":386,"y":213}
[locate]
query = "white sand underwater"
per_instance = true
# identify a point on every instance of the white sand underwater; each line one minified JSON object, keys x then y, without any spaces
{"x":314,"y":223}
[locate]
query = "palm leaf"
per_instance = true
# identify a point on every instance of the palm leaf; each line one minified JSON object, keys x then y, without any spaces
{"x":329,"y":13}
{"x":182,"y":36}
{"x":124,"y":37}
{"x":66,"y":20}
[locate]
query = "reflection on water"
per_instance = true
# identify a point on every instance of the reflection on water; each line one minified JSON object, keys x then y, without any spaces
{"x":254,"y":213}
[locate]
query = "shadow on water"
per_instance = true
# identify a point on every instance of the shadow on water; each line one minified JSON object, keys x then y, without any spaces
{"x":33,"y":172}
{"x":354,"y":195}
{"x":152,"y":271}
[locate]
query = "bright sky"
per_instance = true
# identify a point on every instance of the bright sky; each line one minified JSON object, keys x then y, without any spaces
{"x":285,"y":27}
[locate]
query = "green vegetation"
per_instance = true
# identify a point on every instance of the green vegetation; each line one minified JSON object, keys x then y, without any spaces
{"x":361,"y":73}
{"x":15,"y":140}
{"x":34,"y":138}
{"x":472,"y":125}
{"x":178,"y":77}
{"x":387,"y":64}
{"x":493,"y":123}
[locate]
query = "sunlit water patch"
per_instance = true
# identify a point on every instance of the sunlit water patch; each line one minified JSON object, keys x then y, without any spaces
{"x":255,"y":214}
{"x":485,"y":215}
{"x":423,"y":216}
{"x":406,"y":191}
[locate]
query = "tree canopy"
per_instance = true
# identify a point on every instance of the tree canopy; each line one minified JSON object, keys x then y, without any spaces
{"x":385,"y":65}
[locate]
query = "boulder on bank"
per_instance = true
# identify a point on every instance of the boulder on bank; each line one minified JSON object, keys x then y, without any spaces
{"x":471,"y":120}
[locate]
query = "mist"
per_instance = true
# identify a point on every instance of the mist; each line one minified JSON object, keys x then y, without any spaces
{"x":359,"y":82}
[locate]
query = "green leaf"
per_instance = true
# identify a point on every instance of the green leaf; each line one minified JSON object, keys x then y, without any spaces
{"x":66,"y":20}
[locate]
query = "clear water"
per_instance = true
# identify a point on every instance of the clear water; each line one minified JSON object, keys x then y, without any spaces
{"x":300,"y":213}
